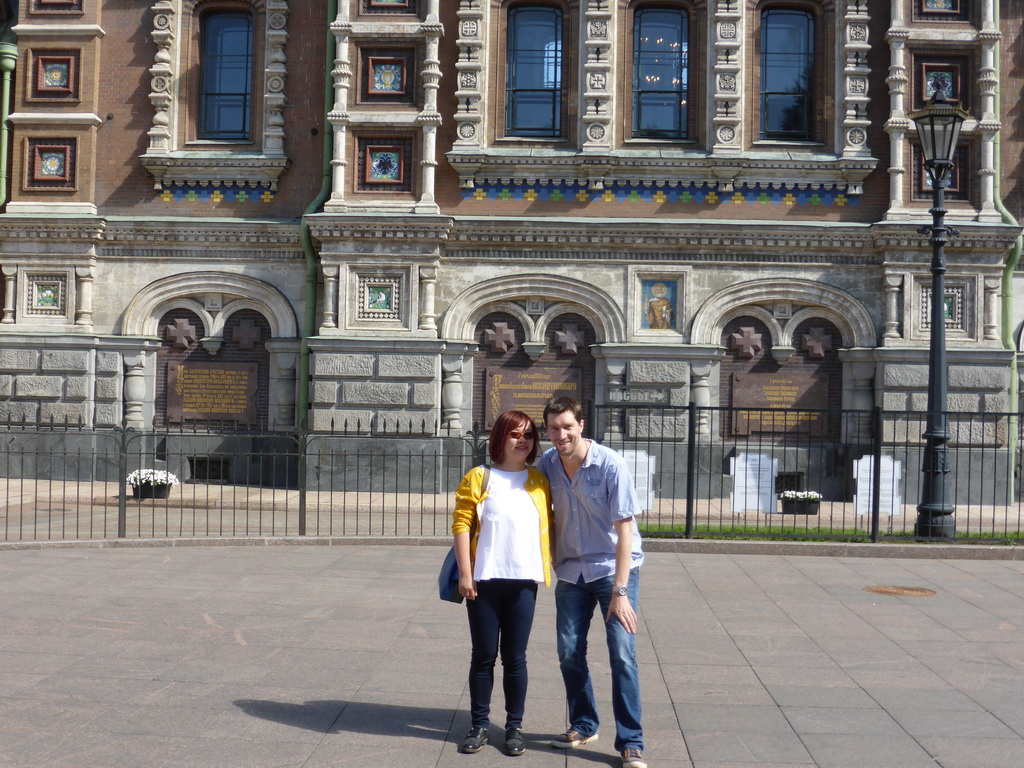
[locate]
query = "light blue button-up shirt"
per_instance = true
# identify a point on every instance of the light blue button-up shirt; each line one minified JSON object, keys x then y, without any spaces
{"x":586,"y":507}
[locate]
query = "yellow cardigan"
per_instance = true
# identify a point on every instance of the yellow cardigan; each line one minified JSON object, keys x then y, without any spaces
{"x":470,"y":494}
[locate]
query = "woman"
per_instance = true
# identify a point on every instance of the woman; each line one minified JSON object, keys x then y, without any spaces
{"x":502,"y":524}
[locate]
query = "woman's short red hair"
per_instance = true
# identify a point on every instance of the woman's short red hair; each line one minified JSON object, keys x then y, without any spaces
{"x":507,"y":422}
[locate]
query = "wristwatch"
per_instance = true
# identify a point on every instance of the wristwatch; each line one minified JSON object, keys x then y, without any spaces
{"x":620,"y":591}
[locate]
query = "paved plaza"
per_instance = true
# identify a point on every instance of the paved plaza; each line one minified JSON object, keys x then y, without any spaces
{"x":281,"y":655}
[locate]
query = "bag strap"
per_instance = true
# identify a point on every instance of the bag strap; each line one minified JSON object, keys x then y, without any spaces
{"x":483,"y":489}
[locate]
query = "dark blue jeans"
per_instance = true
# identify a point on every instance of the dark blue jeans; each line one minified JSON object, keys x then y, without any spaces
{"x":575,"y":604}
{"x":500,"y":620}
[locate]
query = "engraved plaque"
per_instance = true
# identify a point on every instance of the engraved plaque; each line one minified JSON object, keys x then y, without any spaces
{"x":527,"y":390}
{"x":212,"y":391}
{"x":792,"y":390}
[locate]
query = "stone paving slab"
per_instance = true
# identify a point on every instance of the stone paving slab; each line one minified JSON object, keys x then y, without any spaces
{"x":292,"y":656}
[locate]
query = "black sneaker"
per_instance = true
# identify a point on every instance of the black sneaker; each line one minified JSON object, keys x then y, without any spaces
{"x":572,"y":738}
{"x":474,"y":741}
{"x":514,"y":744}
{"x":633,"y":758}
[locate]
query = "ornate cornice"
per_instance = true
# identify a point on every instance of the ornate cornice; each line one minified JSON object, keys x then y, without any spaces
{"x":215,"y":169}
{"x":178,"y":232}
{"x":677,"y":168}
{"x":60,"y":229}
{"x":332,"y":227}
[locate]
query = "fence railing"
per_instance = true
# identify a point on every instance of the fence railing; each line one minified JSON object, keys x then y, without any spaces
{"x":700,"y":472}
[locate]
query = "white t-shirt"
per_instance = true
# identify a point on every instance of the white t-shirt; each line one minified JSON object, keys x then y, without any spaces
{"x":509,"y":543}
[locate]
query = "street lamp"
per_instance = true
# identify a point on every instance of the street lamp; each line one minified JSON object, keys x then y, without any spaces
{"x":938,"y":128}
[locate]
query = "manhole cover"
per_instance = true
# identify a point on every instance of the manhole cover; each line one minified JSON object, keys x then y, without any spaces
{"x":901,"y":591}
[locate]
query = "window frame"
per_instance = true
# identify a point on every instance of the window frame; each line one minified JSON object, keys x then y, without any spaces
{"x":813,"y":128}
{"x":685,"y":133}
{"x":203,"y":96}
{"x":564,"y":92}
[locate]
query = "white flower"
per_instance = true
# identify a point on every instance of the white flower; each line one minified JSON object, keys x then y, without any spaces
{"x":152,"y":477}
{"x":800,"y":496}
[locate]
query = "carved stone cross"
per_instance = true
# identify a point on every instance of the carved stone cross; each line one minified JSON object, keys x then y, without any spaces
{"x":182,"y":333}
{"x":817,"y":342}
{"x":747,"y":342}
{"x":569,"y":339}
{"x":246,"y":334}
{"x":500,"y":337}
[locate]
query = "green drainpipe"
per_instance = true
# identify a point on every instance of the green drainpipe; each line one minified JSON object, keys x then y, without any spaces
{"x":8,"y":60}
{"x":1015,"y":252}
{"x":312,"y":263}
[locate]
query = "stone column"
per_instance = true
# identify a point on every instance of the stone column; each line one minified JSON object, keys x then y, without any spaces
{"x":992,"y":285}
{"x":700,"y":394}
{"x":898,"y":124}
{"x":428,"y":292}
{"x":616,"y":373}
{"x":451,"y":392}
{"x":134,"y":389}
{"x":893,"y":284}
{"x":10,"y":284}
{"x":282,"y":387}
{"x":330,"y":297}
{"x":338,"y":116}
{"x":85,"y":277}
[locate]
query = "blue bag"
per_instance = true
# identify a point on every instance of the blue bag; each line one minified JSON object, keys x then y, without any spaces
{"x":448,"y":578}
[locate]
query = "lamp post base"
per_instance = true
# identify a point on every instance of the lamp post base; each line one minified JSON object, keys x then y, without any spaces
{"x":935,"y":527}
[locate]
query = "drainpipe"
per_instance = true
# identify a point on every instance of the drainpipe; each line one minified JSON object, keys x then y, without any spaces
{"x":8,"y":60}
{"x":1006,"y":293}
{"x":306,"y":239}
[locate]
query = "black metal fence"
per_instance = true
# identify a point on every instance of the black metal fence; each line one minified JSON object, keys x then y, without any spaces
{"x":701,"y":472}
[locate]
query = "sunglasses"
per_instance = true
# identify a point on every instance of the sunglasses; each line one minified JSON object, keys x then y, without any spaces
{"x":515,"y":434}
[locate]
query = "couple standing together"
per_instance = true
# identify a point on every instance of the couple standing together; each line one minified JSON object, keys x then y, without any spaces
{"x":508,"y":517}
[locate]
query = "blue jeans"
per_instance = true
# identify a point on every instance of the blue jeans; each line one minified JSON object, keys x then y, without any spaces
{"x":575,"y":605}
{"x":500,"y":620}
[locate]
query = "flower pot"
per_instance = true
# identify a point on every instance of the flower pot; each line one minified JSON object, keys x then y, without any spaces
{"x":150,"y":491}
{"x":800,"y":506}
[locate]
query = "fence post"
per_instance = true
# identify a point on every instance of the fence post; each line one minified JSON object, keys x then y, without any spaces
{"x":122,"y":483}
{"x":691,"y":466}
{"x":303,"y":444}
{"x":876,"y":474}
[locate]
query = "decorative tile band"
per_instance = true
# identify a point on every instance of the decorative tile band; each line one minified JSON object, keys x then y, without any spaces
{"x":194,"y":193}
{"x":692,"y":193}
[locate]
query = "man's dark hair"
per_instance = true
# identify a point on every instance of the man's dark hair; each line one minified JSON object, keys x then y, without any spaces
{"x":560,"y":405}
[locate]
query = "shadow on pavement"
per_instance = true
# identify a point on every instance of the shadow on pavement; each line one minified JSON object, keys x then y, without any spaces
{"x":353,"y":716}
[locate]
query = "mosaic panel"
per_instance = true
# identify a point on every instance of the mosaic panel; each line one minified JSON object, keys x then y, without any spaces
{"x":385,"y":164}
{"x":55,"y":75}
{"x":956,"y":186}
{"x":387,"y":75}
{"x":941,"y":10}
{"x":51,"y":164}
{"x":379,"y":298}
{"x":389,"y":6}
{"x":954,"y":309}
{"x":194,"y":193}
{"x":46,"y":295}
{"x":57,"y":6}
{"x":682,"y":194}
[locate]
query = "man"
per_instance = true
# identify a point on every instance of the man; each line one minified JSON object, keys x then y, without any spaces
{"x":597,"y":561}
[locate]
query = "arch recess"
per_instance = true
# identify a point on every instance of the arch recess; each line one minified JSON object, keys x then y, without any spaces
{"x":146,"y":308}
{"x":849,"y":314}
{"x":575,"y":296}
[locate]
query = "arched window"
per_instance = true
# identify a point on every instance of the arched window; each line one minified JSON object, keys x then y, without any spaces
{"x":787,"y":74}
{"x":533,"y":105}
{"x":225,"y":76}
{"x":660,"y":73}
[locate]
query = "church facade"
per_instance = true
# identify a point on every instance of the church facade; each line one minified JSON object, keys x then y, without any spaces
{"x":407,"y":215}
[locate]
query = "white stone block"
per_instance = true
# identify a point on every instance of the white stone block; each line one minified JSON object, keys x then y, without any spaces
{"x":374,"y":393}
{"x":75,"y":361}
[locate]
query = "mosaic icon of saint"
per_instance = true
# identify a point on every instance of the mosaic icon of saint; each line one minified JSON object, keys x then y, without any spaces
{"x":659,"y":308}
